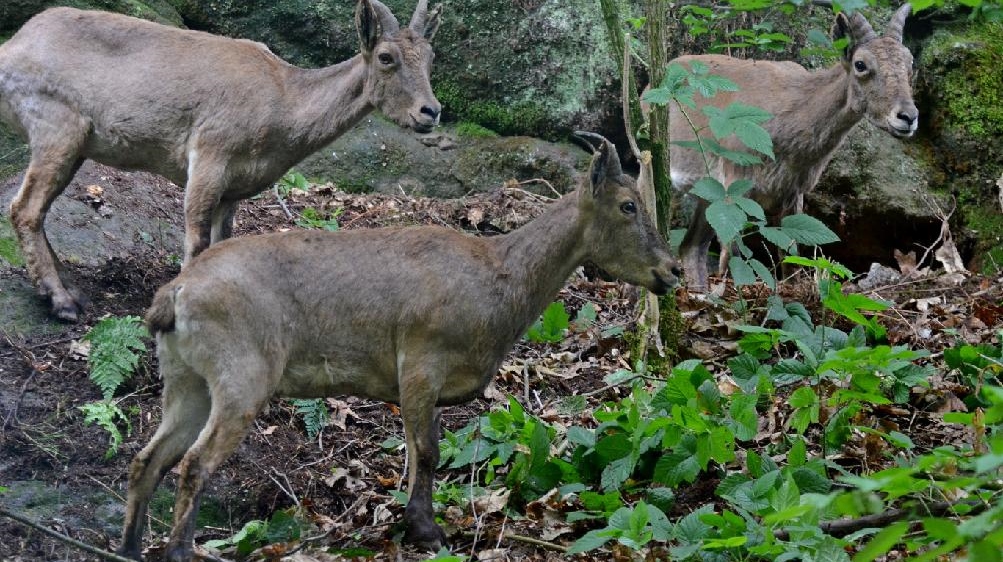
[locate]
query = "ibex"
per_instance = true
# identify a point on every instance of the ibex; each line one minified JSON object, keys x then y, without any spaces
{"x":812,"y":114}
{"x":418,"y":316}
{"x":225,"y":118}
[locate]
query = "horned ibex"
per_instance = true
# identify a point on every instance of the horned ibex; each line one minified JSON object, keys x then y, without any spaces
{"x":419,"y":316}
{"x":223,"y":117}
{"x":812,"y":114}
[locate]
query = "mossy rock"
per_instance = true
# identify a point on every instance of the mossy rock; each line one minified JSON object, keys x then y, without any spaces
{"x":960,"y":95}
{"x":453,"y":161}
{"x":518,"y":68}
{"x":13,"y":13}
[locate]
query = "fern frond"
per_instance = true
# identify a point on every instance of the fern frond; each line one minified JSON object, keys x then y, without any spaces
{"x":314,"y":413}
{"x":117,"y":343}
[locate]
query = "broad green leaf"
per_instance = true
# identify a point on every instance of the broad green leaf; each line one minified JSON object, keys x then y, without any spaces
{"x":750,"y":207}
{"x":806,"y":229}
{"x":709,"y":189}
{"x":741,"y":272}
{"x":593,"y":540}
{"x":727,"y":220}
{"x":743,"y":412}
{"x":882,"y":542}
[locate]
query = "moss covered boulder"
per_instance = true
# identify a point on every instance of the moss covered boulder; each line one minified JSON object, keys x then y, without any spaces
{"x":451,"y":162}
{"x":960,"y":92}
{"x":526,"y":67}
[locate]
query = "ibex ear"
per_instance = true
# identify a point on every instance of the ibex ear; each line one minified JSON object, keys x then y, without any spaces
{"x":432,"y":24}
{"x":598,"y":169}
{"x":840,"y":30}
{"x":367,"y":22}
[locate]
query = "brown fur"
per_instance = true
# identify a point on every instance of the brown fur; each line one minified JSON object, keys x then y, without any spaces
{"x":420,"y":316}
{"x":223,"y":117}
{"x":812,"y":114}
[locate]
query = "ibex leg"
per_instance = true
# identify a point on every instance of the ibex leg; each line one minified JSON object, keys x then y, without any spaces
{"x":222,"y":221}
{"x":239,"y":388}
{"x":185,"y":411}
{"x":51,"y":169}
{"x":421,"y":432}
{"x":695,"y":248}
{"x":202,"y":199}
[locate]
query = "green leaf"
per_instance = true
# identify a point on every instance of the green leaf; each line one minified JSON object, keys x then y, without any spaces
{"x":806,"y":229}
{"x":727,"y":220}
{"x":750,"y":207}
{"x":741,"y":272}
{"x":882,"y":542}
{"x":764,"y":273}
{"x":675,"y":468}
{"x":593,"y":540}
{"x":743,"y":413}
{"x":710,"y":189}
{"x":738,"y":157}
{"x":551,"y":326}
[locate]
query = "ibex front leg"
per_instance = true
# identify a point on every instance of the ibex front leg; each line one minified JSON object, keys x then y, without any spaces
{"x":51,"y":169}
{"x":421,"y":432}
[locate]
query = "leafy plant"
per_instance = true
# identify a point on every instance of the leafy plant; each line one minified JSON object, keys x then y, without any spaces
{"x":551,"y":326}
{"x":117,"y":344}
{"x":290,"y":181}
{"x":312,"y":218}
{"x":314,"y":413}
{"x":283,"y":526}
{"x":107,"y":415}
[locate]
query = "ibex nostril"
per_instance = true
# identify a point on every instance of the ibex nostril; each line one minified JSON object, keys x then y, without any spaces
{"x":676,"y":271}
{"x":432,"y":112}
{"x":908,"y":118}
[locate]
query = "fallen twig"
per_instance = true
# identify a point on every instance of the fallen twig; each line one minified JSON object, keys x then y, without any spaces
{"x":65,"y":539}
{"x":843,"y":527}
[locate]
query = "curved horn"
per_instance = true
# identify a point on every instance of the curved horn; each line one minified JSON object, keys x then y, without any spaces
{"x":894,"y":29}
{"x":388,"y":23}
{"x":585,"y":138}
{"x":860,"y":30}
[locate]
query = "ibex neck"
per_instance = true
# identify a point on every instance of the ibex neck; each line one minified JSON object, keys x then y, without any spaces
{"x":538,"y":258}
{"x":326,"y":102}
{"x":820,"y":117}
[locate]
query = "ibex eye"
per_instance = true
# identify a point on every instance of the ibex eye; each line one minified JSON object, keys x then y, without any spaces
{"x":628,"y":207}
{"x":860,"y":66}
{"x":386,"y":59}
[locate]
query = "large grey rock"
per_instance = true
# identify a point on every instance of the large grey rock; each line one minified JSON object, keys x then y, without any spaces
{"x":379,"y":156}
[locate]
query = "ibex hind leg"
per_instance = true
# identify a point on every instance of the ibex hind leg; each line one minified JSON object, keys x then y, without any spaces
{"x":185,"y":411}
{"x":54,"y":161}
{"x":234,"y":407}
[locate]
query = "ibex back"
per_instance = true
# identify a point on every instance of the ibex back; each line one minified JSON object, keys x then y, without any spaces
{"x":812,"y":113}
{"x":419,"y":316}
{"x":222,"y":117}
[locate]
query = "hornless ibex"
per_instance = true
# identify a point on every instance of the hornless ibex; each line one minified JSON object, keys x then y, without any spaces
{"x":812,"y":113}
{"x":223,"y":117}
{"x":419,"y":316}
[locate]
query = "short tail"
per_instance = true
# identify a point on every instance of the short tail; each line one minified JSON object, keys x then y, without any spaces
{"x":160,"y":315}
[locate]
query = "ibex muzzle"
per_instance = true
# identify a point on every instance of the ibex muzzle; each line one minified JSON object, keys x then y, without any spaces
{"x":225,"y":118}
{"x":419,"y":316}
{"x":812,"y":114}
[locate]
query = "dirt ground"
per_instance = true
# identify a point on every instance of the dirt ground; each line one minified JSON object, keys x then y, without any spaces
{"x":346,"y":476}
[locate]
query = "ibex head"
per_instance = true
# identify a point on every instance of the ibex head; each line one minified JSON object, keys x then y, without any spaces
{"x":624,"y":240}
{"x":882,"y":71}
{"x":400,"y":63}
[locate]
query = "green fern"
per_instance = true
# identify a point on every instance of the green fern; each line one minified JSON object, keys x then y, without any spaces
{"x":105,"y":414}
{"x":314,"y":413}
{"x":117,"y":343}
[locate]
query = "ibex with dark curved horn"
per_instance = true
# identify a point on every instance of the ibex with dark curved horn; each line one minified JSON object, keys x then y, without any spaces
{"x":812,"y":114}
{"x":419,"y":316}
{"x":225,"y":118}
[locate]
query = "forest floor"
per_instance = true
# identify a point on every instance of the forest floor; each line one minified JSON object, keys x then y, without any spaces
{"x":345,"y":478}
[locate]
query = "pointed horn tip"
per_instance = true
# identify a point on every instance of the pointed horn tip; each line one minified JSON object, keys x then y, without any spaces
{"x":586,"y":138}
